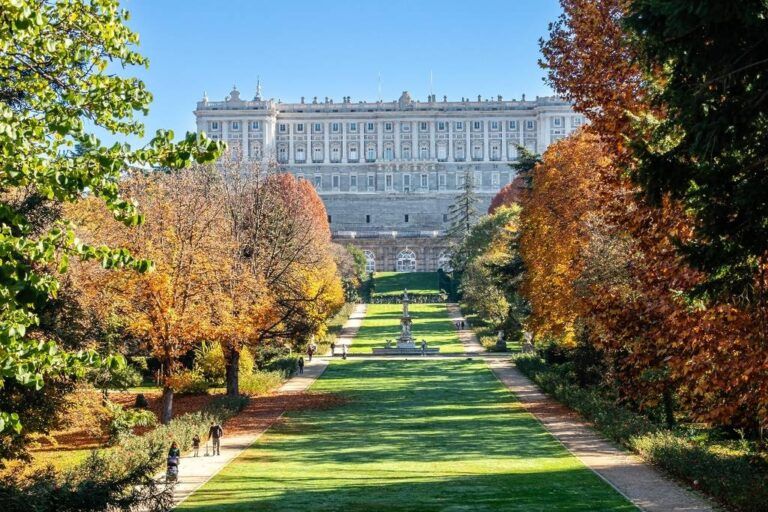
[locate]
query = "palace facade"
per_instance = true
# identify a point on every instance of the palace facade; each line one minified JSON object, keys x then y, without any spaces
{"x":388,"y":172}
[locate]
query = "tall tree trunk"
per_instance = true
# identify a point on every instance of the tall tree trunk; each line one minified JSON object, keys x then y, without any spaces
{"x":167,"y":410}
{"x":232,"y":367}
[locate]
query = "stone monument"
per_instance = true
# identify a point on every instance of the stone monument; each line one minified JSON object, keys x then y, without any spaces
{"x":406,"y":338}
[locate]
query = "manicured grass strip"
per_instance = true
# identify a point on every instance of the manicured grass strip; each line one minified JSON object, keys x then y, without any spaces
{"x":430,"y":322}
{"x":416,"y":435}
{"x":417,"y":283}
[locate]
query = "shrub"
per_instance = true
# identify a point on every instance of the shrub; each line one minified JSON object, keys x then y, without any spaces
{"x":188,"y":382}
{"x":120,"y":478}
{"x":247,"y":362}
{"x":123,"y":421}
{"x":285,"y":364}
{"x":731,"y":476}
{"x":209,"y":362}
{"x":260,"y":382}
{"x":141,"y":401}
{"x":264,"y":354}
{"x":122,"y":378}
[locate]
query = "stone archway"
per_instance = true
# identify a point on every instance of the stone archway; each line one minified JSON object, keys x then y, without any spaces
{"x":406,"y":261}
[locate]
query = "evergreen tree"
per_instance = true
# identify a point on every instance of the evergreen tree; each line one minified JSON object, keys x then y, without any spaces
{"x":462,"y":215}
{"x":709,"y":151}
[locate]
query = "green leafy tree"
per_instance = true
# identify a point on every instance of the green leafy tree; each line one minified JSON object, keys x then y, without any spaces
{"x":710,"y":67}
{"x":54,"y":57}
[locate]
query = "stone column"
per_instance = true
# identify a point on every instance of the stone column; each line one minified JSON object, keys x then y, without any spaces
{"x":504,"y":155}
{"x":246,"y":139}
{"x":379,"y":140}
{"x":396,"y":154}
{"x":326,"y":142}
{"x":449,"y":150}
{"x":361,"y":149}
{"x":432,"y":149}
{"x":468,"y":142}
{"x":486,"y":146}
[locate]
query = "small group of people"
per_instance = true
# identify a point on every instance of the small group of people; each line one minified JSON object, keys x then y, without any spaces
{"x":311,"y":349}
{"x":215,"y":433}
{"x":344,"y":349}
{"x":459,"y":324}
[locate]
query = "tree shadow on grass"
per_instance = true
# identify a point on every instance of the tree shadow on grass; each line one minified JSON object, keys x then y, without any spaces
{"x":567,"y":491}
{"x":422,"y":435}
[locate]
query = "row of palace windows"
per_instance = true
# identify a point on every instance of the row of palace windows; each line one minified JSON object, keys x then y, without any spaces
{"x":405,"y":127}
{"x":477,"y":152}
{"x":406,"y":218}
{"x":408,"y":182}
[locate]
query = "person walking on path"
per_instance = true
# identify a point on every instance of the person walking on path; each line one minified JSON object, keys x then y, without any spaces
{"x":310,"y":351}
{"x":196,"y":445}
{"x":462,"y":325}
{"x":333,"y":349}
{"x":215,"y":433}
{"x":344,"y":351}
{"x":174,"y":456}
{"x":423,"y":347}
{"x":301,"y":365}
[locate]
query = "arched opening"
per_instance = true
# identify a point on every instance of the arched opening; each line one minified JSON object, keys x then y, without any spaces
{"x":406,"y":261}
{"x":370,"y":262}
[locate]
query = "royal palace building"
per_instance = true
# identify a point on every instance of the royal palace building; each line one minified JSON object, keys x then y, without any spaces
{"x":388,"y":171}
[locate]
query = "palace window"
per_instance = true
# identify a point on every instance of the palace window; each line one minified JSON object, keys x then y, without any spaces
{"x":577,"y":121}
{"x":330,"y":219}
{"x":441,"y":126}
{"x":441,"y":181}
{"x":423,"y":126}
{"x":405,"y":127}
{"x":495,"y":151}
{"x":529,"y":125}
{"x":495,"y":126}
{"x":282,"y":154}
{"x":442,"y":152}
{"x":445,"y":217}
{"x":282,"y":128}
{"x":406,"y":218}
{"x":477,"y":126}
{"x":424,"y":181}
{"x":335,"y":154}
{"x":371,"y":154}
{"x":370,"y":127}
{"x":424,"y":152}
{"x":370,"y":260}
{"x":301,"y":156}
{"x":459,"y":153}
{"x":371,"y":182}
{"x":317,"y":154}
{"x":353,"y":182}
{"x":406,"y":261}
{"x":388,"y":182}
{"x":389,"y":153}
{"x":511,"y":151}
{"x":353,"y":156}
{"x":477,"y":152}
{"x":459,"y":126}
{"x":300,"y":128}
{"x":406,"y":152}
{"x":318,"y":181}
{"x":352,"y":127}
{"x":406,"y":182}
{"x":214,"y":125}
{"x":335,"y":182}
{"x":255,"y":125}
{"x":367,"y":219}
{"x":235,"y":126}
{"x":335,"y":127}
{"x":495,"y":179}
{"x":512,"y":125}
{"x":387,"y":127}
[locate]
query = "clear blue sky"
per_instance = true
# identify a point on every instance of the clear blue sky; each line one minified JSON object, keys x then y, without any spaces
{"x":336,"y":48}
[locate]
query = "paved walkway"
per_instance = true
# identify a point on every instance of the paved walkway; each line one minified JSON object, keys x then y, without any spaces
{"x":352,"y":325}
{"x":195,"y":471}
{"x":466,"y":336}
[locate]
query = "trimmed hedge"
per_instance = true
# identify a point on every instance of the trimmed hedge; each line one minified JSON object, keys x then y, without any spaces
{"x":734,"y":477}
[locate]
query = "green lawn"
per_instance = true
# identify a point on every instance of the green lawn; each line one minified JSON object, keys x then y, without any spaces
{"x":430,"y":322}
{"x":420,"y":435}
{"x":393,"y":283}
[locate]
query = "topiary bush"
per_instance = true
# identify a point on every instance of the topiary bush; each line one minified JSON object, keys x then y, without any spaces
{"x":188,"y":382}
{"x":260,"y":382}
